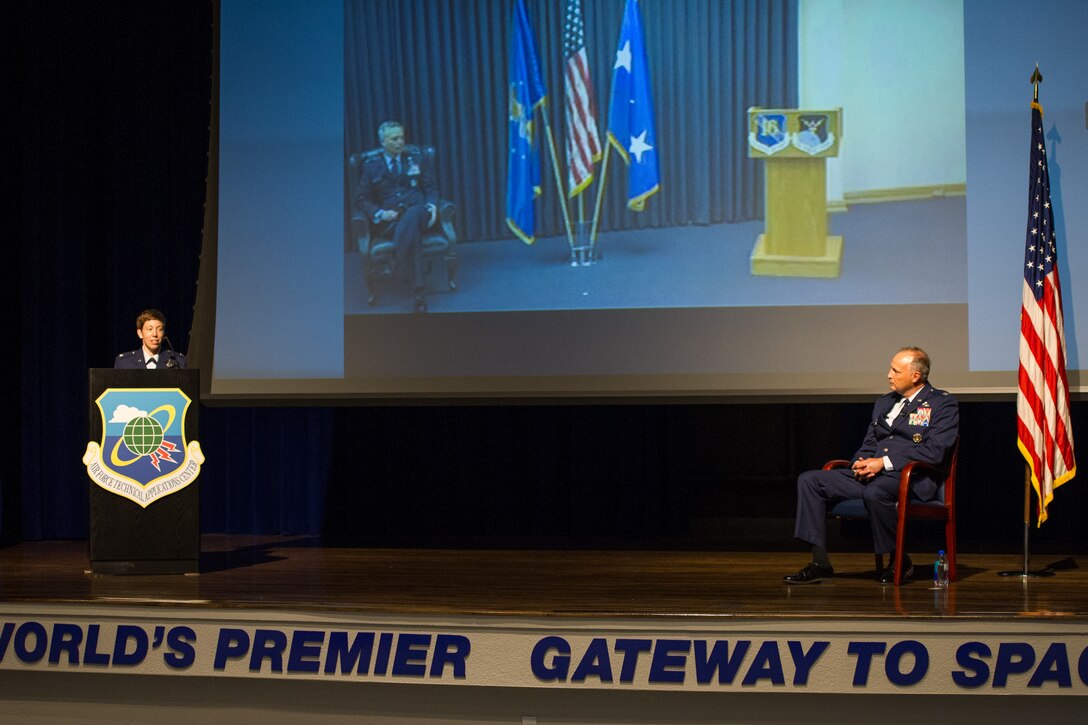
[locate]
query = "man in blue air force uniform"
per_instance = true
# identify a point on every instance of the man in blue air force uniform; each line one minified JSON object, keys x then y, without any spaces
{"x":151,"y":329}
{"x":399,"y":197}
{"x":913,"y":422}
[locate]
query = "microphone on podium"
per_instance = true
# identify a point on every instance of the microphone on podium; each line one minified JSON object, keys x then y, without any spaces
{"x":172,"y":359}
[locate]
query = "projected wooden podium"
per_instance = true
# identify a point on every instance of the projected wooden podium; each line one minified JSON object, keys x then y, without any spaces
{"x":143,"y":459}
{"x":795,"y":143}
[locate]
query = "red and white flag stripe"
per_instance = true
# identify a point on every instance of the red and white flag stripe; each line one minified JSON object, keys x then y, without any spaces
{"x":583,"y":140}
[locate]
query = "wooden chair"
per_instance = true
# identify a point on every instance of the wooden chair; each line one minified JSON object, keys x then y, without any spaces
{"x":942,"y":508}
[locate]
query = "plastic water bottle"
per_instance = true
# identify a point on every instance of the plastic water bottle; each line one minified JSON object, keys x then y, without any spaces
{"x":940,"y":571}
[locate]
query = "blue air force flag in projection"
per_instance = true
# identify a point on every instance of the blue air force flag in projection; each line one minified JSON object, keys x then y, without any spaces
{"x":631,"y":111}
{"x":143,"y":454}
{"x":527,"y":93}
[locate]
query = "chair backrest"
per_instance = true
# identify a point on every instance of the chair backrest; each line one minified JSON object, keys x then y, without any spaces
{"x":948,"y":488}
{"x":946,"y":491}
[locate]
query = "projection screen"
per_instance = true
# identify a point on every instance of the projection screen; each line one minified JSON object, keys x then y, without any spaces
{"x":926,"y":189}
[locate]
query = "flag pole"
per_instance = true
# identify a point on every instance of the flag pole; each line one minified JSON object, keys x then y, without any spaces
{"x":600,"y":195}
{"x":581,"y":256}
{"x":1027,"y":518}
{"x":558,"y":181}
{"x":603,"y":183}
{"x":1026,"y":572}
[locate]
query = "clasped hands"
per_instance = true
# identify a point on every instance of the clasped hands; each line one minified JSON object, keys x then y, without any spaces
{"x":866,"y":468}
{"x":391,"y":215}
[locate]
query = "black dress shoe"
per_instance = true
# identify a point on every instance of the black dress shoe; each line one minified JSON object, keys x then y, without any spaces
{"x":888,"y":577}
{"x":811,"y":574}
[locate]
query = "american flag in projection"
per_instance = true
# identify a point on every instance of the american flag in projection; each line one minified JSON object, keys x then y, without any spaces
{"x":583,"y":141}
{"x":1044,"y":430}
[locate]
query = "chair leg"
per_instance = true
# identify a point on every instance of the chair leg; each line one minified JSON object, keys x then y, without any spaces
{"x":451,"y":272}
{"x":900,"y":541}
{"x":372,"y":274}
{"x":950,"y":547}
{"x":371,"y":281}
{"x":371,"y":286}
{"x":377,"y":272}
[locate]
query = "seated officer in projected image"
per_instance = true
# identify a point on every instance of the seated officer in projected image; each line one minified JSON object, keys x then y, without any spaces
{"x":912,"y":422}
{"x":400,"y":198}
{"x":151,"y":329}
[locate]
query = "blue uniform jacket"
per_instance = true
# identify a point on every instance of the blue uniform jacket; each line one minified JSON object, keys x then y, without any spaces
{"x":134,"y":360}
{"x":381,"y":189}
{"x":924,"y":431}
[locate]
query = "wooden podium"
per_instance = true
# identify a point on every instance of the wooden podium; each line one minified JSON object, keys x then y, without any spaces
{"x":795,"y":143}
{"x":144,"y":526}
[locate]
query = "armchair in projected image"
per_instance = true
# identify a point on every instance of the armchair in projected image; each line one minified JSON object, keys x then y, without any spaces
{"x":941,"y":508}
{"x":376,"y":249}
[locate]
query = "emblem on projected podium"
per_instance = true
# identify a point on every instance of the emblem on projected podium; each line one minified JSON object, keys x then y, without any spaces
{"x":815,"y":135}
{"x":143,"y":455}
{"x":769,"y":133}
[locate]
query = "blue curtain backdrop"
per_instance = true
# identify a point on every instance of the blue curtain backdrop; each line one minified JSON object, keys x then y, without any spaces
{"x":112,"y":122}
{"x":440,"y":66}
{"x":109,"y":220}
{"x":113,"y":127}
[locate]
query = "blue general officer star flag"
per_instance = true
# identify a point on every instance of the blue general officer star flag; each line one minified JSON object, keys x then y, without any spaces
{"x":526,"y":94}
{"x":1044,"y":428}
{"x":631,"y":111}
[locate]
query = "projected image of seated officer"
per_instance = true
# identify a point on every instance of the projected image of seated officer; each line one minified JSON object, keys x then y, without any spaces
{"x":399,"y":197}
{"x":912,"y":422}
{"x":151,"y":329}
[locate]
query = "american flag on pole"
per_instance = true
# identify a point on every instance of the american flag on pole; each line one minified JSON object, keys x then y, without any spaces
{"x":583,"y":142}
{"x":1044,"y":430}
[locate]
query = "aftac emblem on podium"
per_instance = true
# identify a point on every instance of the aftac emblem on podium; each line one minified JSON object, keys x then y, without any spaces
{"x":815,"y":135}
{"x":143,"y":455}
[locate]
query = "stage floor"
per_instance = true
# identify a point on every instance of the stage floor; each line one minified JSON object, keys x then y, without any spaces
{"x":298,"y":574}
{"x":274,"y":629}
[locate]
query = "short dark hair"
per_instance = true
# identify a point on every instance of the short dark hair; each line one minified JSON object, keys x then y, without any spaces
{"x":386,"y":127}
{"x":919,"y":361}
{"x":149,"y":314}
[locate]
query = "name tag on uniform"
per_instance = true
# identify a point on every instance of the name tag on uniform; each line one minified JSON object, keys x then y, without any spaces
{"x":920,"y":416}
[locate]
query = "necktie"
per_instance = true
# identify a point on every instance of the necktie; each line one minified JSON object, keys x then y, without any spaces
{"x":151,"y":364}
{"x":394,"y":165}
{"x":896,"y":410}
